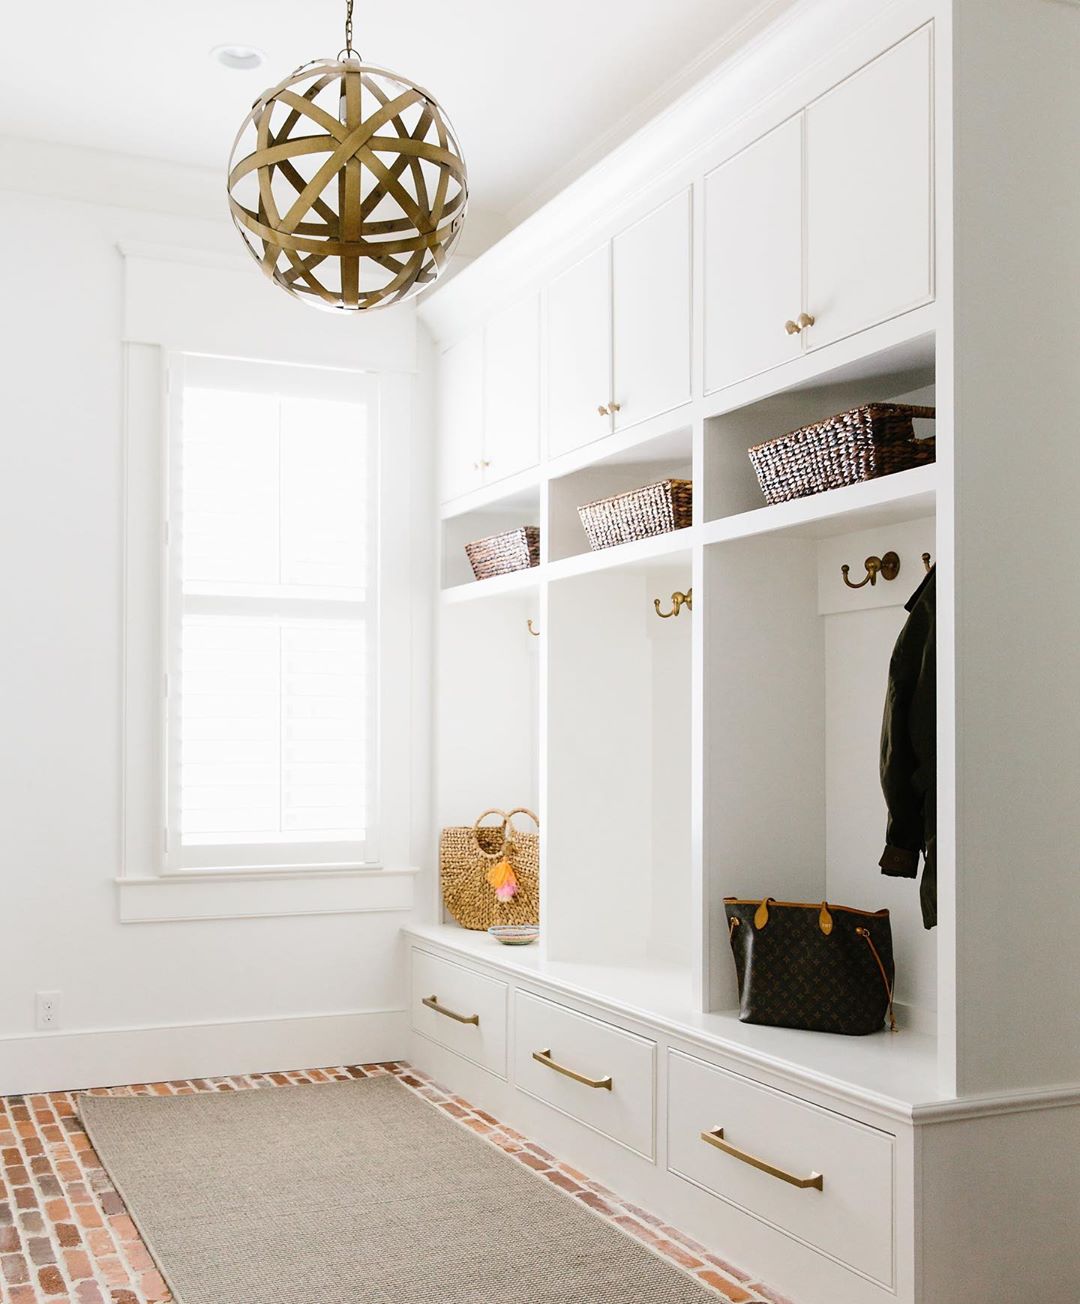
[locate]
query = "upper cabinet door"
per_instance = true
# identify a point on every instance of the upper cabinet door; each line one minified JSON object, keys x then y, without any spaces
{"x":753,"y":258}
{"x":461,"y":415}
{"x":512,"y":390}
{"x":579,"y":353}
{"x":869,"y":162}
{"x":651,"y":272}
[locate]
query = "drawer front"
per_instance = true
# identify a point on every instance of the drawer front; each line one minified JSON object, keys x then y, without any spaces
{"x":849,"y":1218}
{"x":479,"y":1031}
{"x":621,"y":1063}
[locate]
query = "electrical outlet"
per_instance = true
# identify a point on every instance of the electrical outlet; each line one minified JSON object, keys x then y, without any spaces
{"x":47,"y":1011}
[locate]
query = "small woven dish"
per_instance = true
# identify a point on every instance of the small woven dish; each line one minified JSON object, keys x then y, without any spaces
{"x":515,"y":934}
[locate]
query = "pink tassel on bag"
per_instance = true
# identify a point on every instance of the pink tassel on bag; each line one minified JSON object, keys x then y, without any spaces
{"x":503,"y":880}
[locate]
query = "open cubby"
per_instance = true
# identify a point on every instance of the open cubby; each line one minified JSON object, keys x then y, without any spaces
{"x":617,"y":856}
{"x":730,"y":486}
{"x":796,"y":666}
{"x":667,"y":456}
{"x":487,"y":728}
{"x":507,"y":513}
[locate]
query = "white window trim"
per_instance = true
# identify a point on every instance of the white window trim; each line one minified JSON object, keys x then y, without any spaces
{"x":149,"y":889}
{"x":180,"y":369}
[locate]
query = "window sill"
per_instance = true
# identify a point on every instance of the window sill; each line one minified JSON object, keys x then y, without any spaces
{"x":259,"y":894}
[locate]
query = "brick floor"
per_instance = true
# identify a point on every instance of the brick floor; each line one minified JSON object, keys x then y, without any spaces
{"x":65,"y":1234}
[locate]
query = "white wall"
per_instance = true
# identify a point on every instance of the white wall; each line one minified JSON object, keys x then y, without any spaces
{"x":61,"y":500}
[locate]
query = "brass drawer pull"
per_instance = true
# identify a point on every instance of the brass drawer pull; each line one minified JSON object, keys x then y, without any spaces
{"x":716,"y":1138}
{"x":544,"y":1057}
{"x":432,"y":1002}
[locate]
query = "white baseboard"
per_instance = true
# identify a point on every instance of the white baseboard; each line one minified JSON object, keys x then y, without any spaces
{"x":67,"y":1061}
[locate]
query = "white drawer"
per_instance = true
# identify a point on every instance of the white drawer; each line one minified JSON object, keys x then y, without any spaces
{"x":850,"y":1218}
{"x":460,"y":1009}
{"x":605,"y":1075}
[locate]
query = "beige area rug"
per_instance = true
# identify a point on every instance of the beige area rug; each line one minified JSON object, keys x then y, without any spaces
{"x":354,"y":1193}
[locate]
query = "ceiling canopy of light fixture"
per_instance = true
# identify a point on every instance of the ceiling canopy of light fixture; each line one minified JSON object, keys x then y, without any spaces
{"x":347,"y":183}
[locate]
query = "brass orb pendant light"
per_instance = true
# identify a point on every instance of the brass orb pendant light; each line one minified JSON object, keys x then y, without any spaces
{"x":347,"y":184}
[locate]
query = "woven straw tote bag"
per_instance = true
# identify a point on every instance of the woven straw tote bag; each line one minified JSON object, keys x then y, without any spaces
{"x":473,"y":863}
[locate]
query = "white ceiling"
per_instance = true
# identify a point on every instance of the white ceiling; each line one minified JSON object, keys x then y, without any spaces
{"x":535,"y":92}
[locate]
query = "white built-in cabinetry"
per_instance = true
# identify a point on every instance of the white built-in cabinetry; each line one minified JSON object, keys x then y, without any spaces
{"x":655,"y":321}
{"x":618,"y":329}
{"x":824,"y":226}
{"x":489,"y":401}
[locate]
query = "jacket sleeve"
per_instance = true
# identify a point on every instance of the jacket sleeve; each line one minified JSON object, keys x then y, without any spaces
{"x":905,"y":830}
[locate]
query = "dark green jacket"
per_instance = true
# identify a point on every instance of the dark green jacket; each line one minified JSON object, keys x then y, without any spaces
{"x":909,"y":750}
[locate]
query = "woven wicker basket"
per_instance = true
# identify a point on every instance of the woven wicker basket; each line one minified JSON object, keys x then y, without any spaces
{"x":501,"y":554}
{"x":656,"y":509}
{"x":467,"y":853}
{"x":862,"y":444}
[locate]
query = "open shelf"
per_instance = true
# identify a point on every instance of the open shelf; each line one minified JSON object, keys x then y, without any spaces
{"x":795,"y":672}
{"x":486,"y":701}
{"x":882,"y":502}
{"x":668,"y":456}
{"x":730,"y":489}
{"x":656,"y":553}
{"x":509,"y":513}
{"x":617,"y":852}
{"x":522,"y":582}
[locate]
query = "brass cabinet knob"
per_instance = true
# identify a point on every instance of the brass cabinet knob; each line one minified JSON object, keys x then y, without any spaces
{"x":805,"y":319}
{"x":792,"y":327}
{"x":484,"y":465}
{"x":614,"y":407}
{"x":603,"y":410}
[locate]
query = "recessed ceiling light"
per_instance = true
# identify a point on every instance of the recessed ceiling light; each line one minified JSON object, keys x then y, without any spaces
{"x":241,"y":57}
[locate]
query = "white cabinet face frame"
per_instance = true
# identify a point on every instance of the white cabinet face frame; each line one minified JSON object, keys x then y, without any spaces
{"x":652,"y":291}
{"x":579,"y":376}
{"x":869,"y":164}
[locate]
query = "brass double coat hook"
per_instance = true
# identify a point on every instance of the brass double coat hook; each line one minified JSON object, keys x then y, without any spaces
{"x":887,"y":566}
{"x":678,"y":601}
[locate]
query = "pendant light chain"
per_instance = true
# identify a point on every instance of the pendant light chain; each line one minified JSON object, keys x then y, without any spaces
{"x":348,"y":27}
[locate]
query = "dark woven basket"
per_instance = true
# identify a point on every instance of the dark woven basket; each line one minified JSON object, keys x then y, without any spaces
{"x":862,"y":444}
{"x":657,"y":509}
{"x":501,"y":554}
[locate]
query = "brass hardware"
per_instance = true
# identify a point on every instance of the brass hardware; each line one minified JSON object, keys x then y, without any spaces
{"x":761,"y":914}
{"x":614,"y":407}
{"x":603,"y":410}
{"x":926,"y":562}
{"x":825,"y":920}
{"x":887,"y":566}
{"x":544,"y":1057}
{"x":792,"y":327}
{"x":432,"y":1002}
{"x":716,"y":1138}
{"x":485,"y":465}
{"x":476,"y":466}
{"x":532,"y":628}
{"x":806,"y":319}
{"x":678,"y":601}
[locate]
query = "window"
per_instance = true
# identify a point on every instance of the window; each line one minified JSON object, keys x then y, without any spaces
{"x":271,"y":721}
